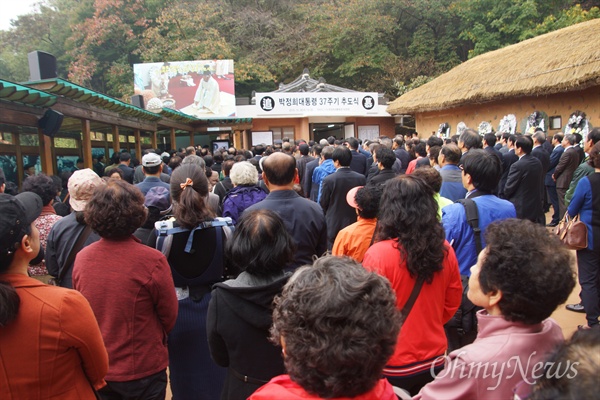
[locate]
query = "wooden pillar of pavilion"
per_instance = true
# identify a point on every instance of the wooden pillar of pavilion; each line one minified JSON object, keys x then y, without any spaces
{"x":86,"y":143}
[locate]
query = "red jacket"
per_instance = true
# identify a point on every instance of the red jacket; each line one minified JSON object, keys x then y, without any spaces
{"x":53,"y":349}
{"x":130,"y":288}
{"x":282,"y":387}
{"x":422,"y":335}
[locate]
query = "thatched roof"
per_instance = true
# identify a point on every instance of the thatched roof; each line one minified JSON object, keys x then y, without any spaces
{"x":564,"y":60}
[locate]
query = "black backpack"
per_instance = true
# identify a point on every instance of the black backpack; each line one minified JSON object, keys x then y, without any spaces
{"x":461,"y":330}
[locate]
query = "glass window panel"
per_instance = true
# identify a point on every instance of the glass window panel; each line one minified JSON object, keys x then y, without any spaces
{"x":97,"y":136}
{"x":7,"y":138}
{"x":288,"y":132}
{"x":8,"y":163}
{"x":32,"y":160}
{"x":65,"y":143}
{"x":66,"y":163}
{"x":29,"y":140}
{"x":276,"y":133}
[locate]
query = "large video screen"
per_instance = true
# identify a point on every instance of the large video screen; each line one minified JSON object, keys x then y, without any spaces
{"x":201,"y":88}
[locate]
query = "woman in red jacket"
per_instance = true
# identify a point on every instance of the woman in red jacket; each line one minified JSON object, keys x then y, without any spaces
{"x":130,"y":288}
{"x":337,"y":325}
{"x":410,"y":248}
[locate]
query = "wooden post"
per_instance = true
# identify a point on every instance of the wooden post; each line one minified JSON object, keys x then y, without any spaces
{"x":86,"y":143}
{"x":116,"y":144}
{"x":20,"y":166}
{"x":138,"y":144}
{"x":154,"y":140}
{"x":191,"y":138}
{"x":46,"y":153}
{"x":173,"y":140}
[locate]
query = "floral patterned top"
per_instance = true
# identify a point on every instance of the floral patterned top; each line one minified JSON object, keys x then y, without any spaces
{"x":44,"y":223}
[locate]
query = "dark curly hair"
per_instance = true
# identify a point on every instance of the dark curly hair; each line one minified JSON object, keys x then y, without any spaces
{"x":42,"y":185}
{"x":368,"y":199}
{"x":578,"y":358}
{"x":189,"y":203}
{"x":339,"y":324}
{"x":115,"y":210}
{"x":261,"y":244}
{"x":529,"y":266}
{"x":408,"y":214}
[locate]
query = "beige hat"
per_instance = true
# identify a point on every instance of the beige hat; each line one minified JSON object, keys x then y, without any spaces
{"x":81,"y":187}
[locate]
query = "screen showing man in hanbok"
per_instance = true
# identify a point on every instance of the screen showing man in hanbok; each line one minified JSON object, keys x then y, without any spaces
{"x":201,"y":88}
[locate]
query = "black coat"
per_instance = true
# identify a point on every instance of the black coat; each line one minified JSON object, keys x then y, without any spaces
{"x":358,"y":163}
{"x":307,"y":186}
{"x":543,"y":156}
{"x":404,"y":157}
{"x":508,"y":159}
{"x":338,"y":213}
{"x":554,"y":158}
{"x":524,"y":187}
{"x":237,"y":325}
{"x":382,"y":176}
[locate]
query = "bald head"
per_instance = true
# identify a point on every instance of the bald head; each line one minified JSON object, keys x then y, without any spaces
{"x":280,"y":169}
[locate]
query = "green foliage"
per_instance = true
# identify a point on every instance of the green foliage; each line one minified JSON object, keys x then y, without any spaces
{"x":420,"y":80}
{"x":374,"y":45}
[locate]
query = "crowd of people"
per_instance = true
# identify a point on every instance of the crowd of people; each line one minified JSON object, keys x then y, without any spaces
{"x":389,"y":268}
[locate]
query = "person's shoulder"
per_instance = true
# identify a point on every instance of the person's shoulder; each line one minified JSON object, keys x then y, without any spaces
{"x":491,"y":199}
{"x":453,"y":210}
{"x":354,"y":174}
{"x":55,"y":296}
{"x":64,"y":222}
{"x":301,"y":203}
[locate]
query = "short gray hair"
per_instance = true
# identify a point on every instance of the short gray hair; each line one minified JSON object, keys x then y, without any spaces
{"x":569,"y":137}
{"x":243,"y":173}
{"x":194,"y":159}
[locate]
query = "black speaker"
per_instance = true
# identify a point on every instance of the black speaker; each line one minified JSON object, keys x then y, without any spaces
{"x":41,"y":66}
{"x":50,"y":123}
{"x":137,"y":100}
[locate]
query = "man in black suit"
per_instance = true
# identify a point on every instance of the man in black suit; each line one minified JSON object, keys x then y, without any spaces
{"x":338,"y":213}
{"x":508,"y":159}
{"x":539,"y":138}
{"x":385,"y":159}
{"x":303,"y":160}
{"x":306,"y":181}
{"x":580,"y":151}
{"x":124,"y":160}
{"x":524,"y":184}
{"x":546,"y":145}
{"x":568,"y":163}
{"x":359,"y":161}
{"x":489,"y":145}
{"x":549,"y":182}
{"x":401,"y":154}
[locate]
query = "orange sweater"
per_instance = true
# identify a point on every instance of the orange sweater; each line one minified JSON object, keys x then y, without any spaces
{"x":53,"y":349}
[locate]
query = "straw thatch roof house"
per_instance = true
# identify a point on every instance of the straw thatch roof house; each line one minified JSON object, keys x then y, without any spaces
{"x":556,"y":73}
